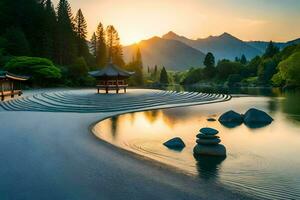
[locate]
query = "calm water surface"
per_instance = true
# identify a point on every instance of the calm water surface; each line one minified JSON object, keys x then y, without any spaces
{"x":262,"y":162}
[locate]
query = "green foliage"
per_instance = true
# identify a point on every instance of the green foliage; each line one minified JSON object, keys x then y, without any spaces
{"x":209,"y":70}
{"x":115,"y":50}
{"x":66,"y":40}
{"x":289,"y":71}
{"x":17,"y":43}
{"x":100,"y":48}
{"x":251,"y":81}
{"x":40,"y":69}
{"x":81,"y":32}
{"x":94,"y":44}
{"x":78,"y":71}
{"x":164,"y":76}
{"x":193,"y":76}
{"x":250,"y":69}
{"x":234,"y":79}
{"x":243,"y":59}
{"x":266,"y":70}
{"x":136,"y":65}
{"x":226,"y":67}
{"x":271,"y":50}
{"x":209,"y":60}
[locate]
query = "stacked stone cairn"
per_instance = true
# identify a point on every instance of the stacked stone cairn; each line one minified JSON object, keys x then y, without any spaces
{"x":208,"y":143}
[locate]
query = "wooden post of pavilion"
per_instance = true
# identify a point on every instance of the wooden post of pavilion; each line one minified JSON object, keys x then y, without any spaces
{"x":12,"y":89}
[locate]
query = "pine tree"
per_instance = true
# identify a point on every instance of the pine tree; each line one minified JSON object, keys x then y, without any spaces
{"x":209,"y":62}
{"x":80,"y":25}
{"x":17,"y":43}
{"x":115,"y":50}
{"x":155,"y":71}
{"x":94,"y":44}
{"x":81,"y":32}
{"x":101,"y":58}
{"x":164,"y":76}
{"x":138,"y":63}
{"x":139,"y":58}
{"x":49,"y":38}
{"x":271,"y":50}
{"x":66,"y":51}
{"x":243,"y":59}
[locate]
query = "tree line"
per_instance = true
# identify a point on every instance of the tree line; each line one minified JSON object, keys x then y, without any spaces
{"x":34,"y":29}
{"x":274,"y":68}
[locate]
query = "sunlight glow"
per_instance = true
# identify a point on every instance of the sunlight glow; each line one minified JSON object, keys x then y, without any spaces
{"x":141,"y":19}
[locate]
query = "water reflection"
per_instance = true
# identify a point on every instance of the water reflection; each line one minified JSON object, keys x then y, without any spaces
{"x":151,"y":115}
{"x":256,"y":159}
{"x":114,"y":126}
{"x":291,"y":105}
{"x":208,"y":166}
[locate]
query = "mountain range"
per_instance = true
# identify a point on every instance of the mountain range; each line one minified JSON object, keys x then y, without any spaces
{"x":172,"y":54}
{"x":180,"y":53}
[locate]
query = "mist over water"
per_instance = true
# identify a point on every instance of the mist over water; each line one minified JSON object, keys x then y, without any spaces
{"x":262,"y":162}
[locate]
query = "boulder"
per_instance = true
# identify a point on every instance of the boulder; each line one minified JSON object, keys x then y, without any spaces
{"x":175,"y":143}
{"x":209,"y":131}
{"x":208,"y":141}
{"x":257,"y":118}
{"x":210,"y":150}
{"x":201,"y":135}
{"x":231,"y":119}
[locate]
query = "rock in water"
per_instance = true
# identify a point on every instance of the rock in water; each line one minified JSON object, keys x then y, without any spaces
{"x":208,"y":141}
{"x":175,"y":143}
{"x":210,"y":150}
{"x":201,"y":135}
{"x":231,"y":119}
{"x":255,"y":118}
{"x":209,"y":131}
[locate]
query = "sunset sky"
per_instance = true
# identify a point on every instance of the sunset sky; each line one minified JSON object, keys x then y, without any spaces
{"x":277,"y":20}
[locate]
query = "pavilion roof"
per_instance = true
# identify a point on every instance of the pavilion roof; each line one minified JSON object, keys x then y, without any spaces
{"x":111,"y":70}
{"x":7,"y":75}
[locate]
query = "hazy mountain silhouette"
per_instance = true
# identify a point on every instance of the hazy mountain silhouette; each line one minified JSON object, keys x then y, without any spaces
{"x":172,"y":54}
{"x":177,"y":52}
{"x":222,"y":46}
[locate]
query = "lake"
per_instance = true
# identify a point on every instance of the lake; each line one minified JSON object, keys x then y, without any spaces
{"x":262,"y":162}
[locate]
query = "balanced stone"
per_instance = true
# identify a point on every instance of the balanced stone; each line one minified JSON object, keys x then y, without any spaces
{"x":209,"y":131}
{"x":201,"y":135}
{"x":231,"y":119}
{"x":175,"y":143}
{"x":214,"y":141}
{"x":210,"y":150}
{"x":257,"y":118}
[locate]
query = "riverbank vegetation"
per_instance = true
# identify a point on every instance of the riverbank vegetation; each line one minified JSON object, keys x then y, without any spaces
{"x":274,"y":68}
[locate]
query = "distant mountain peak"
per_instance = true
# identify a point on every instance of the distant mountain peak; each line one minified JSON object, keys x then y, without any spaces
{"x":171,"y":33}
{"x":173,"y":36}
{"x":226,"y":35}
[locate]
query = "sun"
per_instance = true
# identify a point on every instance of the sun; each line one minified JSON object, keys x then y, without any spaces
{"x":131,"y":38}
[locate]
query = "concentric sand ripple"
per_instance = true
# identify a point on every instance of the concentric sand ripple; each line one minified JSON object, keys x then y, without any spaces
{"x":87,"y":101}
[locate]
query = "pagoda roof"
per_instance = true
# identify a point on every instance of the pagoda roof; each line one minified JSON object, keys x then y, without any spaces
{"x":7,"y":75}
{"x":111,"y":70}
